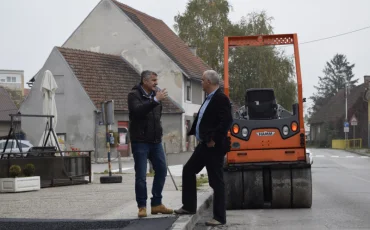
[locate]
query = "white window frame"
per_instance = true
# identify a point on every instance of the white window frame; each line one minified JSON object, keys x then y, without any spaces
{"x":188,"y":83}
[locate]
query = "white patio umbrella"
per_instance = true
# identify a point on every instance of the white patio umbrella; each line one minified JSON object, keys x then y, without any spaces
{"x":48,"y":88}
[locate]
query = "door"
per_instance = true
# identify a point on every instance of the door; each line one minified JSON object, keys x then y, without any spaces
{"x":123,"y":138}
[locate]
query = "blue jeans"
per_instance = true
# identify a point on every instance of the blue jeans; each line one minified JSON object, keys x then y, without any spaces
{"x":154,"y":152}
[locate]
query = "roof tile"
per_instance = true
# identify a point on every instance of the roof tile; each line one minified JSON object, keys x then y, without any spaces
{"x":168,"y":41}
{"x":106,"y":77}
{"x":334,"y":109}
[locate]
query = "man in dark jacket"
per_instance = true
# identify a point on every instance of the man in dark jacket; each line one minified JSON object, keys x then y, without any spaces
{"x":210,"y":127}
{"x":145,"y":111}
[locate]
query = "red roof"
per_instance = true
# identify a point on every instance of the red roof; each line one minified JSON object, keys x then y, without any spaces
{"x":167,"y":40}
{"x":107,"y":77}
{"x":26,"y":92}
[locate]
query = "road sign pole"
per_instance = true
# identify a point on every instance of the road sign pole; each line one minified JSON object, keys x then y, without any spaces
{"x":346,"y":130}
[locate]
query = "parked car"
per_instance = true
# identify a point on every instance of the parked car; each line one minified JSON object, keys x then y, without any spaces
{"x":13,"y":148}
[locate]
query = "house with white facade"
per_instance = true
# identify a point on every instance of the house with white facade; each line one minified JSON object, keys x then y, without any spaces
{"x":146,"y":43}
{"x":84,"y":81}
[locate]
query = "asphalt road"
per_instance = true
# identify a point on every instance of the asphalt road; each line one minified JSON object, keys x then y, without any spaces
{"x":341,"y":199}
{"x":31,"y":224}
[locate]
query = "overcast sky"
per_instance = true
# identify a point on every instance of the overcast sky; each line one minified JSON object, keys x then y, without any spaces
{"x":31,"y":28}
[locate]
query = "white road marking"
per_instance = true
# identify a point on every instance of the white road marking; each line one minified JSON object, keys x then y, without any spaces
{"x":364,"y":157}
{"x":361,"y":178}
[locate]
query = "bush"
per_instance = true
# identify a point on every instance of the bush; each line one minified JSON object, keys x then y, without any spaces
{"x":15,"y":170}
{"x":29,"y":170}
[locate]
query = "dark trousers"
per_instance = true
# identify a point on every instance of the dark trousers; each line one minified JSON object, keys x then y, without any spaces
{"x":213,"y":161}
{"x":154,"y":152}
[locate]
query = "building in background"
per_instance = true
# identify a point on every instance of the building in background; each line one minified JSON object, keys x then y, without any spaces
{"x":13,"y":82}
{"x":328,"y":122}
{"x":85,"y":79}
{"x":12,"y":79}
{"x":7,"y":107}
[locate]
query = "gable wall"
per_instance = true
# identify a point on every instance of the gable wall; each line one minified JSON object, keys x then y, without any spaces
{"x":109,"y":30}
{"x":75,"y":111}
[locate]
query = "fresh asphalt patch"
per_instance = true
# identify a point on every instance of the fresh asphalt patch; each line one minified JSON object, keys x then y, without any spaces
{"x":72,"y":224}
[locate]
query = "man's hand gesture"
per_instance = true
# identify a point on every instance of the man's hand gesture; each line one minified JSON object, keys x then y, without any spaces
{"x":161,"y":94}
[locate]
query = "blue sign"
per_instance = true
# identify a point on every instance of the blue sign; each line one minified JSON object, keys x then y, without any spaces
{"x":346,"y":124}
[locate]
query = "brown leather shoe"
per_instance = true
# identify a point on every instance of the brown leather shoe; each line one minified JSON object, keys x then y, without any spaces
{"x":213,"y":222}
{"x":161,"y":209}
{"x":142,"y":212}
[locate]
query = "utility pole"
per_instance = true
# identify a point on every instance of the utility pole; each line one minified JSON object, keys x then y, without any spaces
{"x":346,"y":133}
{"x":346,"y":124}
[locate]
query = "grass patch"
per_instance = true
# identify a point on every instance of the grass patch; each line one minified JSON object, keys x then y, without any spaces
{"x":150,"y":174}
{"x":201,"y":180}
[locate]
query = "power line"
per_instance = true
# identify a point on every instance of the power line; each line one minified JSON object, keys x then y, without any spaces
{"x":334,"y":36}
{"x":320,"y":39}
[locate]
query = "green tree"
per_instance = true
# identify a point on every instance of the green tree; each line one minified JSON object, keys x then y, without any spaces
{"x":204,"y":25}
{"x":16,"y":95}
{"x":337,"y":72}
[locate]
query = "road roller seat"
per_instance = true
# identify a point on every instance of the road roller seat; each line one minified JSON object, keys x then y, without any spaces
{"x":261,"y":104}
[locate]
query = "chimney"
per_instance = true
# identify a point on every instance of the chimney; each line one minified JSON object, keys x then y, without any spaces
{"x":193,"y":49}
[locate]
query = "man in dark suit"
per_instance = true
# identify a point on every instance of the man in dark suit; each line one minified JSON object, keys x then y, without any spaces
{"x":210,"y":127}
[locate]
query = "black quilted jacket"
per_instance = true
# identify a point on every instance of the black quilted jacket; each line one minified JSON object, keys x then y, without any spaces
{"x":145,"y":117}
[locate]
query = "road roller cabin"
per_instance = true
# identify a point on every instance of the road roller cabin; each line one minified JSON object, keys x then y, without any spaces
{"x":267,"y":166}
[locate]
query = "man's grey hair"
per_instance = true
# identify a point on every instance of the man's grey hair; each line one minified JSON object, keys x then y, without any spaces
{"x":146,"y":74}
{"x":212,"y":76}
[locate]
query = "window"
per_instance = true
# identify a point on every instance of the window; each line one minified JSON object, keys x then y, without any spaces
{"x":14,"y":79}
{"x":23,"y":145}
{"x":9,"y":145}
{"x":2,"y":80}
{"x":8,"y":79}
{"x":188,"y":90}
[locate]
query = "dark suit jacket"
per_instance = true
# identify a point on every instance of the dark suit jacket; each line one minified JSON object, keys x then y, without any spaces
{"x":216,"y":121}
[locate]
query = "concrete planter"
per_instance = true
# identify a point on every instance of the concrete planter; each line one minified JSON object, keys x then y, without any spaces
{"x":20,"y":184}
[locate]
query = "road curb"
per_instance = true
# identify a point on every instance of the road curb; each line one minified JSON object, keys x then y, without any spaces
{"x":187,"y":222}
{"x":362,"y":154}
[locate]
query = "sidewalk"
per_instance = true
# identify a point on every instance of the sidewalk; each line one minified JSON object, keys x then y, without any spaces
{"x":363,"y":152}
{"x":97,"y":201}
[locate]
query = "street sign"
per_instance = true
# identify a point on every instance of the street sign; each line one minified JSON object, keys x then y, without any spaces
{"x":346,"y":127}
{"x":353,"y":120}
